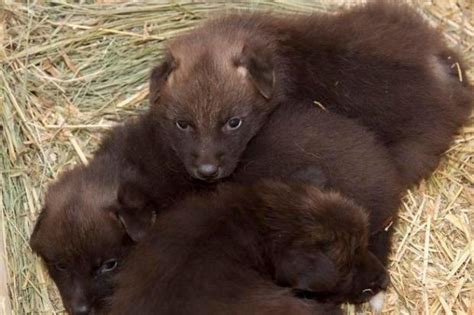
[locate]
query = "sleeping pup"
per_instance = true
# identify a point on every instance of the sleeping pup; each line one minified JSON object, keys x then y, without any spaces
{"x":227,"y":253}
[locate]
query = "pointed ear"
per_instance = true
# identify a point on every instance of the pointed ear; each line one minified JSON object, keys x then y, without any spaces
{"x":306,"y":269}
{"x":258,"y":68}
{"x":159,"y":75}
{"x":135,"y":211}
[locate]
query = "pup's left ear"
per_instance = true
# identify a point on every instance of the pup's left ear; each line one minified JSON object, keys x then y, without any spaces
{"x":258,"y":68}
{"x":158,"y":77}
{"x":135,"y":211}
{"x":306,"y":269}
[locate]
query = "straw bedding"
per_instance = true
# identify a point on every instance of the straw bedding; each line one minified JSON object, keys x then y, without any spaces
{"x":69,"y":71}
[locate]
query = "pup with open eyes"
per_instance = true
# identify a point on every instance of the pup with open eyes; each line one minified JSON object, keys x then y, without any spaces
{"x":80,"y":236}
{"x":229,"y":252}
{"x":218,"y":83}
{"x":82,"y":241}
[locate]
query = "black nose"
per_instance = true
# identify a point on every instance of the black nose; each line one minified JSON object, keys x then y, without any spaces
{"x":207,"y":170}
{"x":81,"y":309}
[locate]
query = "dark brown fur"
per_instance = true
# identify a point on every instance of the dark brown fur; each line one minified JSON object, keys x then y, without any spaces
{"x":380,"y":64}
{"x":77,"y":231}
{"x":331,"y":152}
{"x":219,"y":253}
{"x":78,"y":237}
{"x":299,"y":147}
{"x":139,"y":154}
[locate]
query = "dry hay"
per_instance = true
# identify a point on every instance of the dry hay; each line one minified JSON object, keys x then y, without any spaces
{"x":69,"y":71}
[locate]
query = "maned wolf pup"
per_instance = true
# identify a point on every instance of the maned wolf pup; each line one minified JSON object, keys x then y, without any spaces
{"x":83,"y":243}
{"x":333,"y":153}
{"x":222,"y":253}
{"x":380,"y":64}
{"x":77,"y":234}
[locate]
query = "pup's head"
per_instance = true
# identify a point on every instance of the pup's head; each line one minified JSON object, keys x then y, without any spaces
{"x":211,"y":95}
{"x":327,"y":253}
{"x":83,"y":237}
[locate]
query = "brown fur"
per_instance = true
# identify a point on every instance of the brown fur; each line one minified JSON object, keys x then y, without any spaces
{"x":380,"y":64}
{"x":77,"y":236}
{"x":138,"y":154}
{"x":218,"y":254}
{"x":77,"y":229}
{"x":347,"y":159}
{"x":331,"y":152}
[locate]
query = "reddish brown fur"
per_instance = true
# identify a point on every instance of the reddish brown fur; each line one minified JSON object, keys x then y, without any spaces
{"x":139,"y":153}
{"x":331,"y":152}
{"x":218,"y":254}
{"x":380,"y":64}
{"x":76,"y":231}
{"x":76,"y":235}
{"x":347,"y":159}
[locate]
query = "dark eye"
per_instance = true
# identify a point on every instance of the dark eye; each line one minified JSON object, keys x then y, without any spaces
{"x":108,"y":266}
{"x":183,"y":125}
{"x":234,"y":123}
{"x":60,"y":266}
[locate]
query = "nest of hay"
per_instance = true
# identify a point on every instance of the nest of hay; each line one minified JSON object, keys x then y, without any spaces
{"x":69,"y":71}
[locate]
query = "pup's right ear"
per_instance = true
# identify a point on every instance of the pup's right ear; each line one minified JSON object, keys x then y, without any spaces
{"x":306,"y":269}
{"x":135,"y":211}
{"x":257,"y":67}
{"x":159,"y":75}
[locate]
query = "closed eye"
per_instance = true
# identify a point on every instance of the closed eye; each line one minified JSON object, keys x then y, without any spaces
{"x":60,"y":266}
{"x":108,"y":266}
